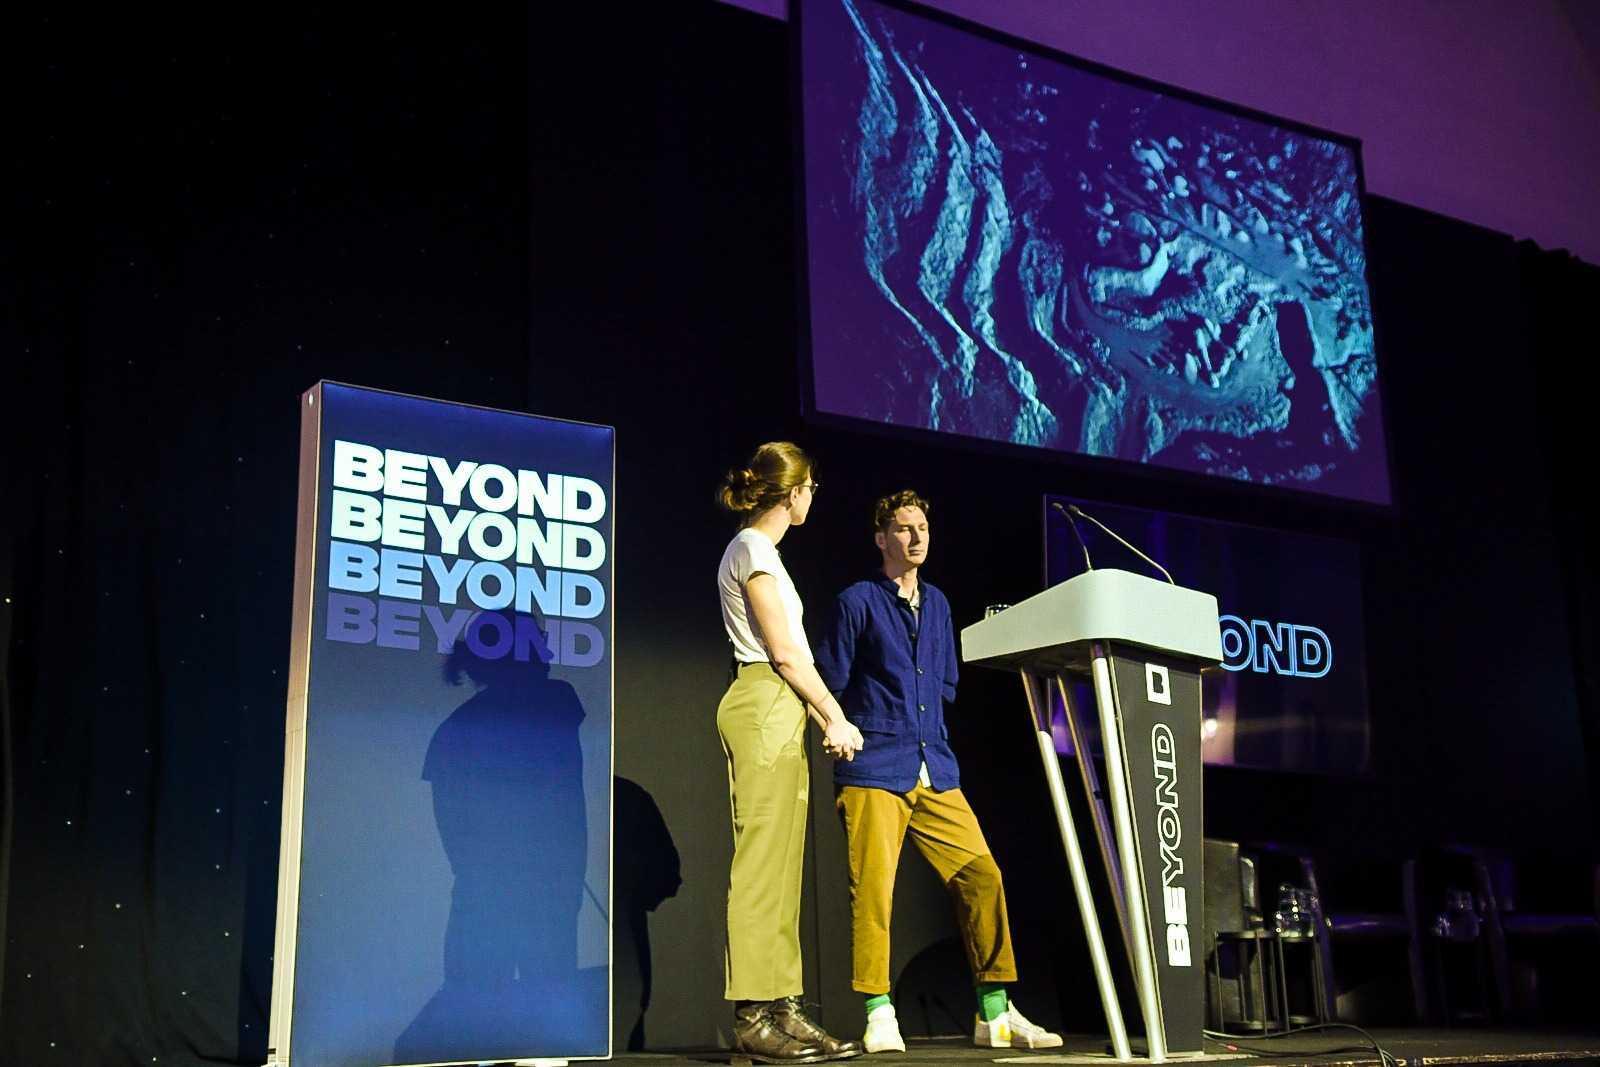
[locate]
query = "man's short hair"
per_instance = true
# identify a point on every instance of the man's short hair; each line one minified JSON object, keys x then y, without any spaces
{"x":883,"y":511}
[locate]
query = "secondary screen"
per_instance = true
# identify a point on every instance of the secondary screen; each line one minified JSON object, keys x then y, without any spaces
{"x":1291,"y":693}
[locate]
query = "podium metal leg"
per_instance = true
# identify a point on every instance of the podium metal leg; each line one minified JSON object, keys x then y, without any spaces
{"x":1103,"y":832}
{"x":1144,"y":961}
{"x":1039,"y":706}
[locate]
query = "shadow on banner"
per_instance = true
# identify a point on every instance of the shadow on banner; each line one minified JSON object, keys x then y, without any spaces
{"x":506,"y":769}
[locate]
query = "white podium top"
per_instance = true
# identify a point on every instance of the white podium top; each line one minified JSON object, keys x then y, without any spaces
{"x":1053,"y":629}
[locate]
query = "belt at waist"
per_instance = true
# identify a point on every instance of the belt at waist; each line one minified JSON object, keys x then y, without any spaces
{"x":737,"y":665}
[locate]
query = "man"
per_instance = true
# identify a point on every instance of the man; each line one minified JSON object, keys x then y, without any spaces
{"x":889,"y":653}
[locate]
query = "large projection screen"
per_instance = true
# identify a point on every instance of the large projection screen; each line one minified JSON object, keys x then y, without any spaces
{"x":1007,"y":244}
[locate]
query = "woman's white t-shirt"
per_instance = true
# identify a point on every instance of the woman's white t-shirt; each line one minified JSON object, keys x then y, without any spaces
{"x":752,"y":552}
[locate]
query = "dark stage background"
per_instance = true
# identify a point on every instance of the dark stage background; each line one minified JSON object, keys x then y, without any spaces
{"x":594,"y":220}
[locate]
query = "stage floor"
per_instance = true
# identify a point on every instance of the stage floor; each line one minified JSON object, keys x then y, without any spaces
{"x":1412,"y":1048}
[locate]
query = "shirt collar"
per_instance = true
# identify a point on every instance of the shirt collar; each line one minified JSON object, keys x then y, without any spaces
{"x":892,"y":587}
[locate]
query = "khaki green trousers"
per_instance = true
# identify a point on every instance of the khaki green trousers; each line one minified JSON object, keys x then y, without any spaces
{"x":946,"y":832}
{"x":763,"y":728}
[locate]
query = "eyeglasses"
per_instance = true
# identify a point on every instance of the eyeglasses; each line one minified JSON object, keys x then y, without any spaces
{"x":813,"y":486}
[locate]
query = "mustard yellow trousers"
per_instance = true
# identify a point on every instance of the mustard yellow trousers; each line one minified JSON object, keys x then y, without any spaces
{"x":947,"y":834}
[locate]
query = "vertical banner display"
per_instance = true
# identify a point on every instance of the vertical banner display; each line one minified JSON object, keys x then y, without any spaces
{"x":1158,"y":705}
{"x":445,"y":867}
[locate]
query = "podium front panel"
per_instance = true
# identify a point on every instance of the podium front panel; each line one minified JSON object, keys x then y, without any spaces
{"x":1158,"y":704}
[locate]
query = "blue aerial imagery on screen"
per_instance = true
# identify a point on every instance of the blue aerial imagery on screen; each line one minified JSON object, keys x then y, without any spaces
{"x":1008,"y":246}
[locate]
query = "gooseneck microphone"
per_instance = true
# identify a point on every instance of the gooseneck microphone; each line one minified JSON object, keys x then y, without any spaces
{"x":1088,"y":566}
{"x":1075,"y":510}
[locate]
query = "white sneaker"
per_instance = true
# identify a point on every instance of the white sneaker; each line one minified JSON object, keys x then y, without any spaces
{"x":1011,"y":1029}
{"x":883,"y":1030}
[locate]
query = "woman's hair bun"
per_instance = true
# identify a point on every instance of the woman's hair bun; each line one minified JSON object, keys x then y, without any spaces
{"x":774,"y":470}
{"x":740,"y":490}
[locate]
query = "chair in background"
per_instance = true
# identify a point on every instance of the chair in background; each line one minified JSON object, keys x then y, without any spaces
{"x":1465,"y":952}
{"x":1244,"y":973}
{"x":1365,"y":902}
{"x":1542,"y":924}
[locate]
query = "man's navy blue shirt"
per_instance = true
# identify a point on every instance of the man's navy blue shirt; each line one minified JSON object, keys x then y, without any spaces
{"x":892,"y":670}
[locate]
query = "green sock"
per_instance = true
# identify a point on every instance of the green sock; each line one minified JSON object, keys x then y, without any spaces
{"x":992,"y":1002}
{"x":876,"y":1002}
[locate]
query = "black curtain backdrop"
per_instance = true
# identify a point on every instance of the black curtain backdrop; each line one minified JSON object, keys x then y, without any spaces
{"x":594,"y":220}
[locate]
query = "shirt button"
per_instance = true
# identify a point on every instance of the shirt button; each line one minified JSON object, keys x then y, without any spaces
{"x":922,"y":707}
{"x":924,"y":744}
{"x":919,"y":670}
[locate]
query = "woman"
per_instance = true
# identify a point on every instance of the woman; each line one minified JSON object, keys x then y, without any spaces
{"x":762,"y":721}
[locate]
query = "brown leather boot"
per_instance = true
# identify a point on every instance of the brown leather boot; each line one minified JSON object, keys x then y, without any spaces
{"x":790,"y":1013}
{"x":758,"y":1038}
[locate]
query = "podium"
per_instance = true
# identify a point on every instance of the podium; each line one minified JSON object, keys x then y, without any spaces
{"x":1143,"y":643}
